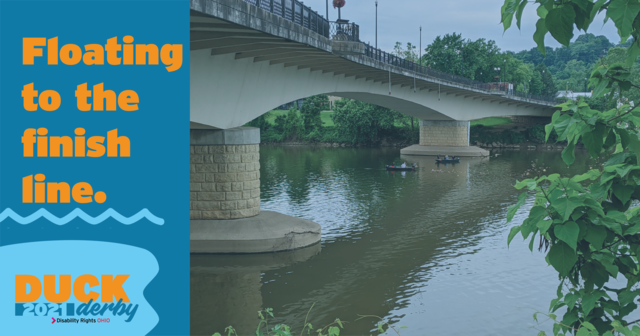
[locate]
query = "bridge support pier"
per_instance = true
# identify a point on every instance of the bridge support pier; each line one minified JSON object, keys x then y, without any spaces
{"x":444,"y":133}
{"x":225,"y":198}
{"x":444,"y":137}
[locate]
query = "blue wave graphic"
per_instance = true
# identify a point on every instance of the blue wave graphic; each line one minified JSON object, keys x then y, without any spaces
{"x":77,"y":213}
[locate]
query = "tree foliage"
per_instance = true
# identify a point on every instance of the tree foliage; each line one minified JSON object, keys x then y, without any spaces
{"x":483,"y":61}
{"x":310,"y":112}
{"x":409,"y":53}
{"x":589,"y":224}
{"x":362,"y":122}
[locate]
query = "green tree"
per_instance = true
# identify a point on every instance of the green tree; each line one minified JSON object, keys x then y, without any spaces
{"x":310,"y":112}
{"x":590,"y":223}
{"x":410,"y":53}
{"x":548,"y":87}
{"x":362,"y":123}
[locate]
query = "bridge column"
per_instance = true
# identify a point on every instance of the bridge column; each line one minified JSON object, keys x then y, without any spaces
{"x":444,"y":133}
{"x":225,"y":198}
{"x":444,"y":137}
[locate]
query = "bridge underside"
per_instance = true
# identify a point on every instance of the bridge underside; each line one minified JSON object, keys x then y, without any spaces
{"x":242,"y":67}
{"x":228,"y":91}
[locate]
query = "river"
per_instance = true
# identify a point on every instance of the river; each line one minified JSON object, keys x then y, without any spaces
{"x":424,"y":250}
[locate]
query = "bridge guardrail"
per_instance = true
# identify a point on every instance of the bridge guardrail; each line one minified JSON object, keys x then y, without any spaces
{"x":295,"y":12}
{"x":391,"y":59}
{"x":344,"y":31}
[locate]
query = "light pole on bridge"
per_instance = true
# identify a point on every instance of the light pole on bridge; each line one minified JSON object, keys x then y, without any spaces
{"x":376,"y":24}
{"x":420,"y":45}
{"x":327,"y":10}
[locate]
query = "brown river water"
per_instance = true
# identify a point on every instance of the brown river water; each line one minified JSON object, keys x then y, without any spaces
{"x":426,"y":250}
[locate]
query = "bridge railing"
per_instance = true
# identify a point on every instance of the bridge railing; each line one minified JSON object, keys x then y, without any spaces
{"x":344,"y":31}
{"x":297,"y":13}
{"x":391,"y":59}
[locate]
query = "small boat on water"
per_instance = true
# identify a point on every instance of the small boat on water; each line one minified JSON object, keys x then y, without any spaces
{"x":454,"y":160}
{"x":400,"y":168}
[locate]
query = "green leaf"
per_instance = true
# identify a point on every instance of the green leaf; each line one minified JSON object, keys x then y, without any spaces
{"x":570,"y":300}
{"x":613,"y":225}
{"x":589,"y":301}
{"x":600,"y":89}
{"x":514,"y":231}
{"x":623,"y":193}
{"x":583,"y":13}
{"x":632,"y":230}
{"x":527,"y":227}
{"x":531,"y":243}
{"x":562,"y":257}
{"x":529,"y":183}
{"x":538,"y":37}
{"x":623,"y":12}
{"x":634,"y":145}
{"x":623,"y":170}
{"x":593,"y":140}
{"x":561,"y":126}
{"x":632,"y":53}
{"x":544,"y":225}
{"x":512,"y":209}
{"x":565,"y":206}
{"x":583,"y":332}
{"x":627,"y":297}
{"x":568,"y":154}
{"x":519,"y":13}
{"x":596,"y":8}
{"x":559,"y":22}
{"x":508,"y":9}
{"x":590,"y":175}
{"x":568,"y":233}
{"x":596,"y":236}
{"x":610,"y":267}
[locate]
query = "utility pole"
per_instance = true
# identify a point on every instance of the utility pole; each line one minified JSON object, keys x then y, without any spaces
{"x":376,"y":24}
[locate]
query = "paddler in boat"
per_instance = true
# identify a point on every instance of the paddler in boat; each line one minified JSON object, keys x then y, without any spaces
{"x":404,"y":165}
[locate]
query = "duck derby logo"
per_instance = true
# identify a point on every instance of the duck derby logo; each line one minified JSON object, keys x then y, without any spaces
{"x":100,"y":298}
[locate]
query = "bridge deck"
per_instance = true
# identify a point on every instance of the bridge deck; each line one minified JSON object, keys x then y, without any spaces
{"x":240,"y":28}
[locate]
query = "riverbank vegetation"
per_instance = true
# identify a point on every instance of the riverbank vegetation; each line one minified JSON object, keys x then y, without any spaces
{"x":589,"y":225}
{"x":333,"y":329}
{"x":351,"y":122}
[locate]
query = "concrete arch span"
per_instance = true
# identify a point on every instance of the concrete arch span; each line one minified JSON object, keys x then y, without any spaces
{"x":227,"y":92}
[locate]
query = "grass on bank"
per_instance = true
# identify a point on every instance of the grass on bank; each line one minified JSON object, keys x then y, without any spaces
{"x":491,"y":121}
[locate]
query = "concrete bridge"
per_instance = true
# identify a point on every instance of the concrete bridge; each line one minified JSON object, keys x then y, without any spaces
{"x":248,"y":57}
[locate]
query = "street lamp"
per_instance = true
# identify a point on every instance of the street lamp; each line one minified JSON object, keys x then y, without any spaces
{"x":421,"y":45}
{"x":376,"y":24}
{"x":327,"y":10}
{"x":505,"y":69}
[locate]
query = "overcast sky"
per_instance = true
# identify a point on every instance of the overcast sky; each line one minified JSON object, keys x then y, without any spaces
{"x":400,"y":20}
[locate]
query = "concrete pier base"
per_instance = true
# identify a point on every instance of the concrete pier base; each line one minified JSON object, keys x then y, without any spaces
{"x":225,"y":198}
{"x":267,"y":232}
{"x":467,"y":151}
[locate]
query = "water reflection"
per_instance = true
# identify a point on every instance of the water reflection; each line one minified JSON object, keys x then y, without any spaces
{"x":426,"y":249}
{"x":226,"y":289}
